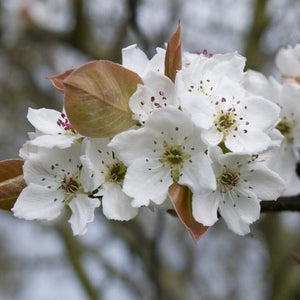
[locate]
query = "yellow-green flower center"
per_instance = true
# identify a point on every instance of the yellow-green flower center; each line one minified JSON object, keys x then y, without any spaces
{"x":228,"y":180}
{"x":70,"y":186}
{"x":225,"y":121}
{"x":116,"y":173}
{"x":286,"y":128}
{"x":174,"y":156}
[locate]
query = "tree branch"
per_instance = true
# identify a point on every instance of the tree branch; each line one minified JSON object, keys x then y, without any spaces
{"x":282,"y":204}
{"x":73,"y":253}
{"x":261,"y":20}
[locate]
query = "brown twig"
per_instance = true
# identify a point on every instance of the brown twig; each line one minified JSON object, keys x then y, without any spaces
{"x":282,"y":204}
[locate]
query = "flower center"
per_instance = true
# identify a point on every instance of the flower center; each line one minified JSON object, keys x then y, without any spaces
{"x":228,"y":180}
{"x":116,"y":172}
{"x":69,"y":186}
{"x":225,"y":121}
{"x":286,"y":128}
{"x":174,"y":156}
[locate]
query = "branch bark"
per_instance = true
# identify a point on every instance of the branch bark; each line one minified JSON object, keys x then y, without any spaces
{"x":261,"y":20}
{"x":73,"y":252}
{"x":282,"y":204}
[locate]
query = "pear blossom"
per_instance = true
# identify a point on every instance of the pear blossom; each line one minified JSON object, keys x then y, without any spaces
{"x":53,"y":129}
{"x":107,"y":173}
{"x":242,"y":182}
{"x":157,"y":92}
{"x":188,"y":58}
{"x":242,"y":123}
{"x":281,"y":159}
{"x":168,"y":148}
{"x":54,"y":181}
{"x":286,"y":96}
{"x":134,"y":59}
{"x":211,"y":91}
{"x":288,"y":62}
{"x":289,"y":126}
{"x":202,"y":73}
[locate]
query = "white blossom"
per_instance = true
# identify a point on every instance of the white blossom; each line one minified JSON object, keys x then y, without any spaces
{"x":202,"y":74}
{"x":53,"y":129}
{"x":288,"y":62}
{"x":242,"y":182}
{"x":167,"y":148}
{"x":107,"y":174}
{"x":211,"y":90}
{"x":242,"y":123}
{"x":281,"y":159}
{"x":54,"y":181}
{"x":134,"y":59}
{"x":157,"y":92}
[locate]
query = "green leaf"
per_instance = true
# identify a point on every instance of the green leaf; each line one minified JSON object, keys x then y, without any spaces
{"x":11,"y":182}
{"x":97,"y":96}
{"x":57,"y":80}
{"x":173,"y":55}
{"x":181,"y":197}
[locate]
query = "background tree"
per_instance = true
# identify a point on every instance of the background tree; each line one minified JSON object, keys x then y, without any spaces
{"x":152,"y":256}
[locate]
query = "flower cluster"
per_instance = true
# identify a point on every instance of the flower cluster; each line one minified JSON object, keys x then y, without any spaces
{"x":230,"y":137}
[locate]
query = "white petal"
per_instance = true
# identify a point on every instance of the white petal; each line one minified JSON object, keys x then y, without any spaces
{"x":287,"y":61}
{"x":60,"y":161}
{"x":38,"y":202}
{"x":197,"y":174}
{"x":228,"y":89}
{"x":296,"y":136}
{"x":292,"y":186}
{"x":172,"y":122}
{"x":140,"y":103}
{"x":252,"y":141}
{"x":116,"y":204}
{"x":205,"y":207}
{"x":160,"y":82}
{"x":157,"y":93}
{"x":266,"y":184}
{"x":82,"y":213}
{"x":134,"y":59}
{"x":88,"y":178}
{"x":247,"y":205}
{"x":45,"y":120}
{"x":27,"y":149}
{"x":34,"y":172}
{"x":157,"y":62}
{"x":240,"y":216}
{"x":98,"y":156}
{"x":200,"y":108}
{"x":212,"y":136}
{"x":230,"y":65}
{"x":49,"y":141}
{"x":145,"y":181}
{"x":260,"y":112}
{"x":133,"y":144}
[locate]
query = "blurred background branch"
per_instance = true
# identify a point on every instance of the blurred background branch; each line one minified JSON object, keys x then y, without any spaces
{"x":152,"y":256}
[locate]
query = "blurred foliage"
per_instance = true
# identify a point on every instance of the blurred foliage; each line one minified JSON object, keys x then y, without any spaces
{"x":152,"y":256}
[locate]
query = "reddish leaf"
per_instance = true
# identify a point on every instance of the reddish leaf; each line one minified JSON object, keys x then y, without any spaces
{"x":173,"y":55}
{"x":97,"y":96}
{"x":57,"y":80}
{"x":181,"y":197}
{"x":296,"y":257}
{"x":11,"y":182}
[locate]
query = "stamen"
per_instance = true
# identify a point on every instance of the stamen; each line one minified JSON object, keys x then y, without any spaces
{"x":64,"y":123}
